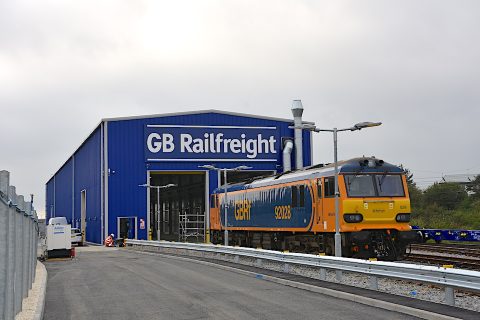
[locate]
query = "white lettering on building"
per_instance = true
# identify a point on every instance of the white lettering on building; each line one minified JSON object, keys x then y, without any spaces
{"x":212,"y":143}
{"x":155,"y":144}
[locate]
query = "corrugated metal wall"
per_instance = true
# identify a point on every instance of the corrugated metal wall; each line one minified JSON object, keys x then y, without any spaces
{"x":59,"y":193}
{"x":86,"y":176}
{"x":128,"y":168}
{"x":63,"y":191}
{"x":50,"y":199}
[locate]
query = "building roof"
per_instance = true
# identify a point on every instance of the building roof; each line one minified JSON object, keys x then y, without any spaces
{"x":187,"y":113}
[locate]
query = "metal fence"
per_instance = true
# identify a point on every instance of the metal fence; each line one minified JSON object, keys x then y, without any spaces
{"x":18,"y":248}
{"x":450,"y":279}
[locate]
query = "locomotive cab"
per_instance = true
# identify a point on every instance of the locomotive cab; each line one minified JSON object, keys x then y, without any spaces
{"x":376,"y":211}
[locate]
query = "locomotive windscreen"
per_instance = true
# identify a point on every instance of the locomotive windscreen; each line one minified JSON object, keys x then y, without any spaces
{"x":389,"y":185}
{"x":378,"y":185}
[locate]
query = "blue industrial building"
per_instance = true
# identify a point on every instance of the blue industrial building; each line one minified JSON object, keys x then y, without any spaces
{"x":99,"y":188}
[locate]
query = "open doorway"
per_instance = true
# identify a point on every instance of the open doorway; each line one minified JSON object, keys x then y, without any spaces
{"x":178,"y":213}
{"x":83,"y":214}
{"x":127,"y":227}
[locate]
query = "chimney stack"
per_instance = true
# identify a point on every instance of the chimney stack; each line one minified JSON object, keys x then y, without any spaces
{"x":297,"y":110}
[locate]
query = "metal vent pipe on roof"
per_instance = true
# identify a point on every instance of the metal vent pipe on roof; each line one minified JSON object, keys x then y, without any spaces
{"x":297,"y":110}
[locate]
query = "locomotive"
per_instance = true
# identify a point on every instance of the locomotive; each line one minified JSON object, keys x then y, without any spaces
{"x":295,"y":211}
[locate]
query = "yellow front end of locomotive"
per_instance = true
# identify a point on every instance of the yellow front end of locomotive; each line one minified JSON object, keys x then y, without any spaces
{"x":375,"y":213}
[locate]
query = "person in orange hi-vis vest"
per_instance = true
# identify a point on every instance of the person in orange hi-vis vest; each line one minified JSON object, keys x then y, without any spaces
{"x":109,"y":240}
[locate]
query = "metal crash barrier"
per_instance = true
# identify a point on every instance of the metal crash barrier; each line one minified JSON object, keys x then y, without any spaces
{"x":18,"y":248}
{"x":448,"y":278}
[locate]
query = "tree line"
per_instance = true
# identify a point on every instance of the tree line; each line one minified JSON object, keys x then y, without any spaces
{"x":445,"y":205}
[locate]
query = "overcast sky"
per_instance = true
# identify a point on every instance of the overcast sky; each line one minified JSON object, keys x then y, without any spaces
{"x":414,"y":65}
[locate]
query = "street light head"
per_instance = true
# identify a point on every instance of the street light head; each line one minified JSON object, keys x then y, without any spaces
{"x":144,"y":185}
{"x":242,"y":168}
{"x":208,"y":167}
{"x":170,"y":185}
{"x":305,"y":126}
{"x":362,"y":125}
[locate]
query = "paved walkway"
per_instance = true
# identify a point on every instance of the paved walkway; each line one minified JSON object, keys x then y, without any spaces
{"x":112,"y":283}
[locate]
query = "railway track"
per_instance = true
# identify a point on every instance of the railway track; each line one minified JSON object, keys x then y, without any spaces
{"x":470,"y":250}
{"x":461,"y":263}
{"x":462,"y":256}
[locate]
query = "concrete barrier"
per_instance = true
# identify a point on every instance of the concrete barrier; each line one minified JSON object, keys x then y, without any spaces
{"x":18,"y":245}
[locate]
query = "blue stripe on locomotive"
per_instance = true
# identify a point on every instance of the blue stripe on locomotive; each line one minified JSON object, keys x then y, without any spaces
{"x":262,"y":210}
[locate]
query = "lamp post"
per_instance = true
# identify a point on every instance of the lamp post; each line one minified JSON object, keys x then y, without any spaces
{"x":225,"y":170}
{"x":358,"y":126}
{"x":158,"y":201}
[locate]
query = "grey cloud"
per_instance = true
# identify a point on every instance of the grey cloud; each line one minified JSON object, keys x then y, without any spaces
{"x":411,"y":64}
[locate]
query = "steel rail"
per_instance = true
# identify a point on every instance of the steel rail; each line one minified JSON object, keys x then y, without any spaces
{"x":473,"y":251}
{"x":448,"y":278}
{"x":458,"y":262}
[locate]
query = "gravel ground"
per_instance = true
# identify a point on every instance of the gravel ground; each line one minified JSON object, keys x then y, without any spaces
{"x":411,"y":289}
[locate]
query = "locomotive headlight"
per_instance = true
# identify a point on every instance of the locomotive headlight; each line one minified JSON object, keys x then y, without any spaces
{"x":353,"y":218}
{"x":403,"y":217}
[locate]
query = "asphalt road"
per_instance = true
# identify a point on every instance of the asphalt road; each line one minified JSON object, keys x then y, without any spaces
{"x":105,"y":283}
